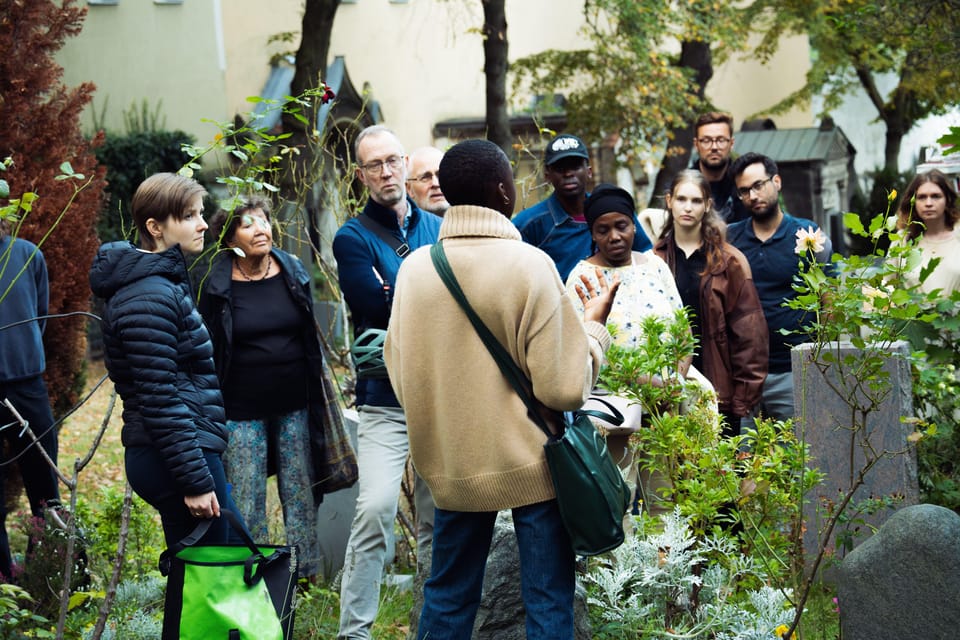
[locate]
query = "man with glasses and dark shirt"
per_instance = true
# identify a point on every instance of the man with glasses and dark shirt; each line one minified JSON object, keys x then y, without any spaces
{"x":556,"y":225}
{"x":714,"y":144}
{"x":369,"y":250}
{"x":769,"y":241}
{"x":423,"y":183}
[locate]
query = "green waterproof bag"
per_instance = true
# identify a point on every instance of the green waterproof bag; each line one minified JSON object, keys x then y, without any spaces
{"x":228,"y":592}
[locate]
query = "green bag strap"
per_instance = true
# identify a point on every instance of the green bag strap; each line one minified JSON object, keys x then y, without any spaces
{"x":511,"y":371}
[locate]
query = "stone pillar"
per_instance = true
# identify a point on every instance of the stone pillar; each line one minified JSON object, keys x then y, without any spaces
{"x":824,"y":421}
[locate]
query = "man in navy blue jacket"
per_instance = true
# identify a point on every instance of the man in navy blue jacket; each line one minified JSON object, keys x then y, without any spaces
{"x":369,"y":250}
{"x":22,"y":364}
{"x":556,"y":225}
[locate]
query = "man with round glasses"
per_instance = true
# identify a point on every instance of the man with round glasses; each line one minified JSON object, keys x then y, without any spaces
{"x":369,"y":250}
{"x":714,"y":144}
{"x":768,"y":239}
{"x":423,"y":182}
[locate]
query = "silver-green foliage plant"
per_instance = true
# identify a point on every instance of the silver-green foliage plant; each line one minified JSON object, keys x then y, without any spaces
{"x":667,"y":582}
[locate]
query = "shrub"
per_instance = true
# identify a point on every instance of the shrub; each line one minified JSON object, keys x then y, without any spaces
{"x":40,"y":126}
{"x":130,"y":159}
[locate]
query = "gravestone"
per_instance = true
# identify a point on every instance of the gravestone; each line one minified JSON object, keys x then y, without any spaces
{"x":904,"y":582}
{"x":823,"y":422}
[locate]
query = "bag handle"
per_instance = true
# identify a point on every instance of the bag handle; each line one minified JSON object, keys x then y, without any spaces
{"x":204,"y":525}
{"x":511,"y":371}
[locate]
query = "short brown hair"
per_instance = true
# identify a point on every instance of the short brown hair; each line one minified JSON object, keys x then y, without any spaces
{"x":223,"y":224}
{"x":714,"y":117}
{"x":160,"y":196}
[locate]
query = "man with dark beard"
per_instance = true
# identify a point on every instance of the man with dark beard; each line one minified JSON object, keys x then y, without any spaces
{"x":714,"y":144}
{"x":769,"y":241}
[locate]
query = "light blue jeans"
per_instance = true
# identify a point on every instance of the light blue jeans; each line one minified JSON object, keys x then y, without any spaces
{"x":382,"y":447}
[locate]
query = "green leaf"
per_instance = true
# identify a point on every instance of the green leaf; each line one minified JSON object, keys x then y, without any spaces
{"x":4,"y":189}
{"x":852,"y":221}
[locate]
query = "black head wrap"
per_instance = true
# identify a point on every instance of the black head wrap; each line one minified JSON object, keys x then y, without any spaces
{"x":608,"y":198}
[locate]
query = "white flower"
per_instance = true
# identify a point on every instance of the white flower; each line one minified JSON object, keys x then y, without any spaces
{"x":808,"y":240}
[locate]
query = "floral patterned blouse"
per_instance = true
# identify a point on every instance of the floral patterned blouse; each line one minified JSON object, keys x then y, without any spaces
{"x":646,"y":288}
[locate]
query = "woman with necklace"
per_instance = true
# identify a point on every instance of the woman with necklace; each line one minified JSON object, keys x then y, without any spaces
{"x":928,"y":211}
{"x":715,"y":283}
{"x":256,"y":301}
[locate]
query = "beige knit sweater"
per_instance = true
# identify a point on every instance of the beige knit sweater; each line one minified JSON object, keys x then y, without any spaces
{"x":470,"y":437}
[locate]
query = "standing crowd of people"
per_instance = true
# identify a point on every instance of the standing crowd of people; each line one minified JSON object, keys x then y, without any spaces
{"x":223,"y":382}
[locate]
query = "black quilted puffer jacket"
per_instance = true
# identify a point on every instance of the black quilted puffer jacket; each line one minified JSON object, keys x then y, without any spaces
{"x":160,"y":358}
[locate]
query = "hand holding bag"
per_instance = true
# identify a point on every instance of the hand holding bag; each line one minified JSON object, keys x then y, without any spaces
{"x":591,"y":492}
{"x":228,"y":592}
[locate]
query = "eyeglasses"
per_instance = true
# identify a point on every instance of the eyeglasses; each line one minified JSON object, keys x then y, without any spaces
{"x":714,"y":142}
{"x":756,"y":187}
{"x":376,"y":166}
{"x":425,"y":178}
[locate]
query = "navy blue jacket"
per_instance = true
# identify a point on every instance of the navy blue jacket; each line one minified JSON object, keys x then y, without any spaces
{"x":359,"y":252}
{"x":160,"y":358}
{"x":21,"y":347}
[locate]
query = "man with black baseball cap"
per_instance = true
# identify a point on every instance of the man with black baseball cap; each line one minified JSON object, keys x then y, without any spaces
{"x":556,"y":225}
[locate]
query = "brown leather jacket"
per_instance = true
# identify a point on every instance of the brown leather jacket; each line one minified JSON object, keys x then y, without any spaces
{"x":733,"y":338}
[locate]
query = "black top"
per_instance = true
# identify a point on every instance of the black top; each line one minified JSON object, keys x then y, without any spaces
{"x":687,"y":274}
{"x":268,"y":370}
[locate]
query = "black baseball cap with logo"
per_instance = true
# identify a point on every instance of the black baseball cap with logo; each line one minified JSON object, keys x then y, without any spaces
{"x":563,"y":146}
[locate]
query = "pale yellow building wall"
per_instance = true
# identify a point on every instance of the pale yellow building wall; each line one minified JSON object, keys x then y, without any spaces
{"x":138,"y":50}
{"x":423,"y":59}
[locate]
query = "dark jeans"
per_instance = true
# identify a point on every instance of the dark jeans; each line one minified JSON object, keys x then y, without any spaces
{"x":147,"y":473}
{"x":29,"y":398}
{"x":461,"y":542}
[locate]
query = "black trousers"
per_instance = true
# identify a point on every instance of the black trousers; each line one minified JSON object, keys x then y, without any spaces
{"x":29,"y":398}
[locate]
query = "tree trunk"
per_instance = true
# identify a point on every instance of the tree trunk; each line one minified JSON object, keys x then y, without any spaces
{"x":311,"y":64}
{"x":495,"y":70}
{"x":696,"y":56}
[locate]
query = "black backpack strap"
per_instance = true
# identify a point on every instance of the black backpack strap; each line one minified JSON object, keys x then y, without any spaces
{"x":402,"y":249}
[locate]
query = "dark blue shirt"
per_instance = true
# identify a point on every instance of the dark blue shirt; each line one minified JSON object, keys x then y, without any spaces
{"x":21,"y":347}
{"x":547,"y":226}
{"x":776,"y":265}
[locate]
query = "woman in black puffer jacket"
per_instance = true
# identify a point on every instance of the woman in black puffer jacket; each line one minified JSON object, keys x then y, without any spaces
{"x":160,"y":358}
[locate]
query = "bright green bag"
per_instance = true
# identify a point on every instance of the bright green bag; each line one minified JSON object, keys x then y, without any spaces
{"x":228,"y":592}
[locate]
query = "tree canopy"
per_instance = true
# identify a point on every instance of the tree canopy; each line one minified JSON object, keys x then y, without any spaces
{"x":635,"y":81}
{"x":869,"y":44}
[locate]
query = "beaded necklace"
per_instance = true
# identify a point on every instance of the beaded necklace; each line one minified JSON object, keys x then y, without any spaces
{"x":265,"y":271}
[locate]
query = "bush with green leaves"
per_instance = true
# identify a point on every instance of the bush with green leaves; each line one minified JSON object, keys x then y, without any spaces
{"x":130,"y":158}
{"x":747,"y":488}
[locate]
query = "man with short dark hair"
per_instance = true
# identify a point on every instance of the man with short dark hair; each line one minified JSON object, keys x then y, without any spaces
{"x":714,"y":143}
{"x":470,"y":435}
{"x":556,"y":225}
{"x":769,"y":240}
